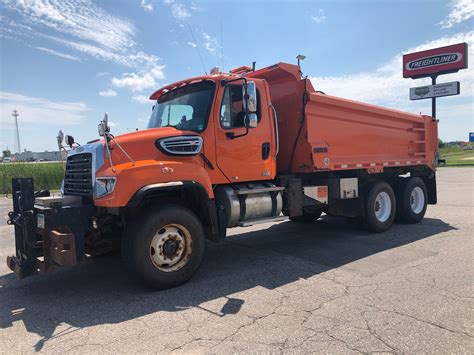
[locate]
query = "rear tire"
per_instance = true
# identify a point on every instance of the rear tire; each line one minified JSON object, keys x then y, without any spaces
{"x":165,"y":246}
{"x":380,"y":207}
{"x":412,"y":200}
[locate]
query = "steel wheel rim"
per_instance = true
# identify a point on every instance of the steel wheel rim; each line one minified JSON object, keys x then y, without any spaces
{"x":382,"y":206}
{"x":417,"y":200}
{"x":171,"y":248}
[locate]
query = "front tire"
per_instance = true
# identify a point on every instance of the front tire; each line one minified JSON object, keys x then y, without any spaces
{"x":412,"y":200}
{"x":165,"y":246}
{"x":380,"y":207}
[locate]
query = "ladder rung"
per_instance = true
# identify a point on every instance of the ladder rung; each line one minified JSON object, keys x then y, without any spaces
{"x":419,"y":142}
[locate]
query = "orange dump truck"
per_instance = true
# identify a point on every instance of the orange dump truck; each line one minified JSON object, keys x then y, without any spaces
{"x":221,"y":151}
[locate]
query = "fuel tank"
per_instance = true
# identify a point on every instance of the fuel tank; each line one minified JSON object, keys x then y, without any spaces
{"x":249,"y":201}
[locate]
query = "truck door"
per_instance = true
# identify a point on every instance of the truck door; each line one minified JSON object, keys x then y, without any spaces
{"x":250,"y":155}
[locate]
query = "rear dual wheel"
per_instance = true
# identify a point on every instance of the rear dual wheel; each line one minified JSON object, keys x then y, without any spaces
{"x":412,"y":198}
{"x":380,"y":207}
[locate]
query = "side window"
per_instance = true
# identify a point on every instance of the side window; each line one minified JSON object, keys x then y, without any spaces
{"x":232,"y":112}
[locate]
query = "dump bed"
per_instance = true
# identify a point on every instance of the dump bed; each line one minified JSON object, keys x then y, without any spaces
{"x":319,"y":132}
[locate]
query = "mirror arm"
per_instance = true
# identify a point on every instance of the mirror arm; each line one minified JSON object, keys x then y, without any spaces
{"x":231,"y":135}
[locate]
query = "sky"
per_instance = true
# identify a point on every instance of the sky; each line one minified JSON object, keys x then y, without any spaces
{"x":64,"y":63}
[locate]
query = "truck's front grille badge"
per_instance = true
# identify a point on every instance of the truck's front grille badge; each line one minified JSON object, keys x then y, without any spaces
{"x":78,"y":175}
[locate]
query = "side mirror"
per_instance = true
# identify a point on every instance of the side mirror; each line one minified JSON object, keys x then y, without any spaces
{"x":251,"y":120}
{"x":60,"y":138}
{"x":103,"y":126}
{"x":69,"y":140}
{"x":249,"y":93}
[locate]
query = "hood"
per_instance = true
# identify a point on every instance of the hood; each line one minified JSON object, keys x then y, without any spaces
{"x":141,"y":145}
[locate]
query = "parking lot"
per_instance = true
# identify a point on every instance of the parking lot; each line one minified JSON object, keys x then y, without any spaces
{"x":284,"y":287}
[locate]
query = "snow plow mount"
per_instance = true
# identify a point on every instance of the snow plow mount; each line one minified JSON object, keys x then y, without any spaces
{"x":49,"y":231}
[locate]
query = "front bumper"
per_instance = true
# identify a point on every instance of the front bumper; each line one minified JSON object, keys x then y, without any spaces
{"x":49,"y":232}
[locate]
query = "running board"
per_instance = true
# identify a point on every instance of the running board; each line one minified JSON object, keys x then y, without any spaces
{"x":260,"y":221}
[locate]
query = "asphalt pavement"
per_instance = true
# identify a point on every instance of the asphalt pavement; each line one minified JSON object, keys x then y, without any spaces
{"x":283,"y":287}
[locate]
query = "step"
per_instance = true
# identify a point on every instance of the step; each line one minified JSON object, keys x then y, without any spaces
{"x":421,"y":153}
{"x":258,"y":191}
{"x":260,"y":221}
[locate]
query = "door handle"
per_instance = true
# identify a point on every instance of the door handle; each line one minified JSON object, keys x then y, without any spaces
{"x":265,"y":150}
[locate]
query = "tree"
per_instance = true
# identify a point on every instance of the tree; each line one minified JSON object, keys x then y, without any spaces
{"x":6,"y":153}
{"x":440,"y":143}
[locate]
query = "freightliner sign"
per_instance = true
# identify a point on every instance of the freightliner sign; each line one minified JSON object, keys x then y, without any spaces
{"x":439,"y":90}
{"x":435,"y":61}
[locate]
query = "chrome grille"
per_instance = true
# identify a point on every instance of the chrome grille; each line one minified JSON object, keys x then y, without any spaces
{"x":78,"y":175}
{"x":184,"y":145}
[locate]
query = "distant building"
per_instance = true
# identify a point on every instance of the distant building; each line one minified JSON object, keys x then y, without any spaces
{"x":455,"y":144}
{"x":38,"y":156}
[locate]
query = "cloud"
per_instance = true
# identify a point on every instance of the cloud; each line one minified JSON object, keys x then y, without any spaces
{"x":385,"y":86}
{"x":35,"y":110}
{"x":80,"y":19}
{"x":210,"y":43}
{"x":147,"y":6}
{"x":80,"y":25}
{"x":192,"y":44}
{"x":58,"y":54}
{"x":462,"y":10}
{"x":103,"y":73}
{"x":142,"y":99}
{"x":108,"y":93}
{"x":178,"y":10}
{"x":138,"y":82}
{"x":320,"y":17}
{"x":134,"y":82}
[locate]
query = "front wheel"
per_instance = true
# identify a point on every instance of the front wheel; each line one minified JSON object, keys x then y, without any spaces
{"x":165,"y":246}
{"x":380,"y":207}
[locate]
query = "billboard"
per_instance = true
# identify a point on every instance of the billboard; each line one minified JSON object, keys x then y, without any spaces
{"x":435,"y":61}
{"x":439,"y":90}
{"x":471,"y":137}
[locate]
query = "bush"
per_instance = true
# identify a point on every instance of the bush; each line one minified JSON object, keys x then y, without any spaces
{"x":47,"y":176}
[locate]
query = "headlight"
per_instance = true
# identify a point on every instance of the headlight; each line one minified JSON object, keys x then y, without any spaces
{"x":104,"y":186}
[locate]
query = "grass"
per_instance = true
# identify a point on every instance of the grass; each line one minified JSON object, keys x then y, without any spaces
{"x":47,"y":176}
{"x":456,"y":156}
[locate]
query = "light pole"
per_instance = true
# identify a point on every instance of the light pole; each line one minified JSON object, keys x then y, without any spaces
{"x":17,"y":146}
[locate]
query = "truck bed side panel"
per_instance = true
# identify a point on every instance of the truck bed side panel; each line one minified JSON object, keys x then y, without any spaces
{"x":345,"y":134}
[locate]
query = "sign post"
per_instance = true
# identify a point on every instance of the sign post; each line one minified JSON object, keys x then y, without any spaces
{"x":433,"y":99}
{"x":435,"y":62}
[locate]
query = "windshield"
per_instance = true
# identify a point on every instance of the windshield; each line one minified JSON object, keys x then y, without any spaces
{"x":185,"y":108}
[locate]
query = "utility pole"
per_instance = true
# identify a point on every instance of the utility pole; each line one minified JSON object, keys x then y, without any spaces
{"x":17,"y":146}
